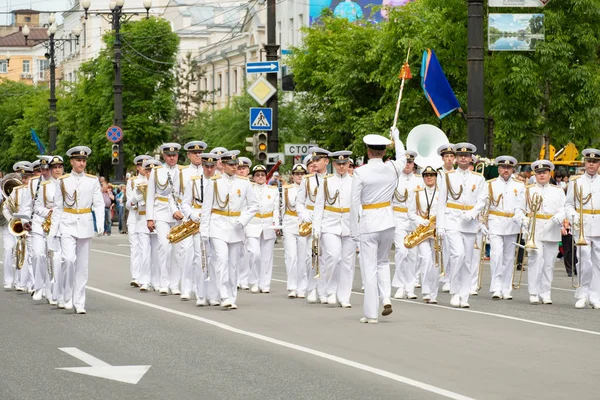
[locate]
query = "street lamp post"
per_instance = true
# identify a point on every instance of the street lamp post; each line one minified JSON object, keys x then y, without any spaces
{"x":50,"y":45}
{"x":115,"y":17}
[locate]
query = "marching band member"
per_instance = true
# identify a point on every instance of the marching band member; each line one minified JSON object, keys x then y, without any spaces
{"x":162,"y":213}
{"x":587,"y":197}
{"x":462,"y":197}
{"x":305,"y":205}
{"x":550,"y":214}
{"x":134,"y":246}
{"x":43,"y":207}
{"x":72,"y":220}
{"x":294,"y":245}
{"x":331,"y":226}
{"x":218,"y":151}
{"x":187,"y":247}
{"x":446,"y":152}
{"x":37,"y":235}
{"x":149,"y":273}
{"x":260,"y":234}
{"x":22,"y":171}
{"x":206,"y":290}
{"x":507,"y":207}
{"x":405,"y":259}
{"x":229,"y":204}
{"x":372,"y":221}
{"x":27,"y":272}
{"x":422,"y":208}
{"x":243,"y":170}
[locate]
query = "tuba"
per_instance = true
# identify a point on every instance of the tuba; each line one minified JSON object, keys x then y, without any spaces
{"x":7,"y":185}
{"x":425,"y":139}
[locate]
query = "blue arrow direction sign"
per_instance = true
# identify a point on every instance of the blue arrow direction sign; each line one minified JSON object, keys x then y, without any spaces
{"x":261,"y":119}
{"x":262,"y":67}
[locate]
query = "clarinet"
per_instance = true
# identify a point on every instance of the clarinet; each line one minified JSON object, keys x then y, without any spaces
{"x":173,"y":190}
{"x":37,"y":191}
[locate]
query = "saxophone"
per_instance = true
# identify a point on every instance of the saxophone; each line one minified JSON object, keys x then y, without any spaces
{"x":183,"y":231}
{"x":419,"y":235}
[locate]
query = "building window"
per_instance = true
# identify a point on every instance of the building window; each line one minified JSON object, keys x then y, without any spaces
{"x":205,"y":86}
{"x":235,"y":80}
{"x":42,"y":67}
{"x":3,"y":67}
{"x":27,"y":19}
{"x":291,"y":33}
{"x":26,"y":67}
{"x":219,"y":85}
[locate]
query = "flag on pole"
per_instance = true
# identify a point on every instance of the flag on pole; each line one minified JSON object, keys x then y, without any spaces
{"x":38,"y":142}
{"x":436,"y":87}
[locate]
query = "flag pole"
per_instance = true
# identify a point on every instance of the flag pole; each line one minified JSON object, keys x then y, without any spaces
{"x":403,"y":73}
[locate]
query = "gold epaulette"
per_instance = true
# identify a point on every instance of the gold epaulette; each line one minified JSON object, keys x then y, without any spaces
{"x":556,"y":186}
{"x":215,"y":177}
{"x":288,"y":186}
{"x":491,"y":180}
{"x":419,"y":189}
{"x":528,"y":186}
{"x":91,"y":176}
{"x":516,"y":180}
{"x":308,"y":176}
{"x":327,"y":176}
{"x":476,"y":173}
{"x":64,"y":176}
{"x":156,"y":166}
{"x":574,"y":177}
{"x":182,"y":166}
{"x":418,"y":175}
{"x":195,"y":178}
{"x":242,"y":177}
{"x":451,"y":172}
{"x":46,"y":182}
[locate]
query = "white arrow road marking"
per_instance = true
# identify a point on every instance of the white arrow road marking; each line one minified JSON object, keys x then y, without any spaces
{"x":100,"y":369}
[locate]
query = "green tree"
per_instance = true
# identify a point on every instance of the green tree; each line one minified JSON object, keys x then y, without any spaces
{"x":149,"y":51}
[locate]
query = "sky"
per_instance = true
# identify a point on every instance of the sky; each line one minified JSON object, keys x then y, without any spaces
{"x":40,"y":5}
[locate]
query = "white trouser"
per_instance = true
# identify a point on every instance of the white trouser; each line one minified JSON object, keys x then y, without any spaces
{"x":75,"y":257}
{"x":9,"y":242}
{"x":261,"y":261}
{"x":55,"y":289}
{"x":460,"y":245}
{"x":147,"y":244}
{"x":187,"y":253}
{"x":375,"y":269}
{"x":168,"y":269}
{"x":405,"y":274}
{"x":338,"y":255}
{"x":540,"y":269}
{"x":27,"y":279}
{"x":430,"y":274}
{"x":204,"y":289}
{"x":294,"y":247}
{"x":227,"y":258}
{"x":244,"y":267}
{"x":502,"y":257}
{"x":134,"y":252}
{"x":589,"y":268}
{"x":39,"y":261}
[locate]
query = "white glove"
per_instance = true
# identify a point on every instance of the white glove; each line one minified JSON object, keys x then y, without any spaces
{"x":422,"y":221}
{"x":238,"y":225}
{"x":53,"y":243}
{"x":395,"y":133}
{"x":525,"y":223}
{"x":483,"y":229}
{"x":139,"y":197}
{"x":556,"y":220}
{"x":466,"y":217}
{"x":195,"y":216}
{"x":441,"y":232}
{"x":516,"y":220}
{"x":305,"y":217}
{"x":355,"y":239}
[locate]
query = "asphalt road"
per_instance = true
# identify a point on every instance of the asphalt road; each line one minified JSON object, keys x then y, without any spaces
{"x":275,"y":348}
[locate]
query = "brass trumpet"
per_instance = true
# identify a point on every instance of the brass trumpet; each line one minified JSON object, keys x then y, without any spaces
{"x":516,"y":284}
{"x":535,"y":206}
{"x":578,"y":198}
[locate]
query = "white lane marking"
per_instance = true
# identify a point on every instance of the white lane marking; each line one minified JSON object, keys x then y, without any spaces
{"x":568,"y":328}
{"x":99,"y":369}
{"x":112,"y":254}
{"x":529,"y":321}
{"x":307,"y":350}
{"x":85,"y":357}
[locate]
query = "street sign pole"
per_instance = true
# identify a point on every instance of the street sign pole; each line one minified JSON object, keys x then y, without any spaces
{"x":272,"y":49}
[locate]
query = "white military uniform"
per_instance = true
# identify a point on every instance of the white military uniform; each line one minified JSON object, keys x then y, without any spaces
{"x":294,"y":245}
{"x":22,"y":279}
{"x":507,"y":207}
{"x":423,"y":207}
{"x":78,"y":195}
{"x":547,"y":235}
{"x":260,"y":237}
{"x":229,"y":204}
{"x":8,"y":241}
{"x":163,"y":185}
{"x":457,"y":214}
{"x":405,"y":275}
{"x":135,"y":255}
{"x":331,"y":223}
{"x":372,"y":223}
{"x":589,"y":256}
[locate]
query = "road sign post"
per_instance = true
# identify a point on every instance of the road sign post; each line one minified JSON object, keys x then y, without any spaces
{"x":297,"y":149}
{"x":261,"y":119}
{"x":268,"y":67}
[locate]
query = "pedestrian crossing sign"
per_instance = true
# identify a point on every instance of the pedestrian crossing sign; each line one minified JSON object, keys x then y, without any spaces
{"x":261,"y":119}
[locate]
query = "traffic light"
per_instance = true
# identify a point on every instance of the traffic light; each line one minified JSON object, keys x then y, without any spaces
{"x":115,"y":154}
{"x":261,"y":147}
{"x":252,"y":148}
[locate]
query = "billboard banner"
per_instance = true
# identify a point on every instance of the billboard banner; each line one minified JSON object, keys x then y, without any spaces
{"x":515,"y":32}
{"x":517,"y":3}
{"x":354,"y":9}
